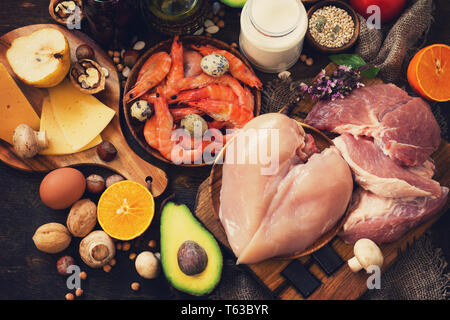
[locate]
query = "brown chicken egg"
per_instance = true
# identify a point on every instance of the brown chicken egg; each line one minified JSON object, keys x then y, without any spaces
{"x":62,"y":187}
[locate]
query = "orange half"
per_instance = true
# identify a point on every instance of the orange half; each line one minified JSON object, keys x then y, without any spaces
{"x":125,"y":210}
{"x":429,"y":72}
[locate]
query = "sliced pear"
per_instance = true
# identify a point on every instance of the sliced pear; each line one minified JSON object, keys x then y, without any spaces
{"x":41,"y":59}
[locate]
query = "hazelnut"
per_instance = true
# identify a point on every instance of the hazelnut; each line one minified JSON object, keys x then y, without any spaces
{"x":130,"y":57}
{"x":85,"y":52}
{"x":132,"y":256}
{"x":113,"y":179}
{"x":111,"y":53}
{"x":83,"y":275}
{"x":126,"y":246}
{"x":192,"y":258}
{"x":106,"y":151}
{"x":113,"y":262}
{"x":69,"y":296}
{"x":116,"y":60}
{"x":95,"y":184}
{"x":63,"y":264}
{"x":107,"y":268}
{"x":221,"y":24}
{"x":152,"y":243}
{"x":309,"y":62}
{"x":303,"y":58}
{"x":135,"y":286}
{"x":79,"y":292}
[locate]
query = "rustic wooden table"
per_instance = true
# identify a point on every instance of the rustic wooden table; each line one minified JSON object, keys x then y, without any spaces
{"x":26,"y":273}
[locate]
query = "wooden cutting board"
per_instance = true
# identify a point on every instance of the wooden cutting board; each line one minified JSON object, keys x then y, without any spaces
{"x":127,"y":163}
{"x":343,"y":284}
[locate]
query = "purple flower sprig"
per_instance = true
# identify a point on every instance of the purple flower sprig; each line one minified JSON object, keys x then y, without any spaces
{"x":339,"y":85}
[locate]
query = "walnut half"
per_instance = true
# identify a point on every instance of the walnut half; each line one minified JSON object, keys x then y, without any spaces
{"x":61,"y":10}
{"x":88,"y":76}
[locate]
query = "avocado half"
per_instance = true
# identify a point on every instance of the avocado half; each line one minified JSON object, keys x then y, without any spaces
{"x":234,"y":3}
{"x":177,"y":226}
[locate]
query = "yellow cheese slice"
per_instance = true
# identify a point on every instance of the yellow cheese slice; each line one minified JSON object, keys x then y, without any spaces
{"x":57,"y":143}
{"x":80,"y":116}
{"x":14,"y":107}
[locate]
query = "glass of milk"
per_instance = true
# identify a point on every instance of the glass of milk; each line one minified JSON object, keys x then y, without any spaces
{"x":272,"y":33}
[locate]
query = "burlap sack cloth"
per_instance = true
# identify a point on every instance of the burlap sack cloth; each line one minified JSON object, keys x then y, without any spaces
{"x":421,"y":271}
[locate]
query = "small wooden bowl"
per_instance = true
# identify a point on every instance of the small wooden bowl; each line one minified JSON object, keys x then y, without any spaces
{"x":215,"y":184}
{"x":345,"y":47}
{"x":63,"y":21}
{"x":136,"y":127}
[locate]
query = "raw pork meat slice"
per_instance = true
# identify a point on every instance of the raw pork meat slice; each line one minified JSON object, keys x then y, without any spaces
{"x":404,"y":127}
{"x":376,"y":172}
{"x":385,"y":220}
{"x":246,"y":192}
{"x":309,"y":201}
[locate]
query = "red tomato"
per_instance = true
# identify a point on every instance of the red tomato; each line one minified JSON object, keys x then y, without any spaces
{"x":389,"y":9}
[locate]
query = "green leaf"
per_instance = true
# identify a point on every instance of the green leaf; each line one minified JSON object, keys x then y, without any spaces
{"x":371,"y":72}
{"x":348,"y":59}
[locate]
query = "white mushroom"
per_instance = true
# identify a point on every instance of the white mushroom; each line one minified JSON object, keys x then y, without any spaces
{"x":97,"y":249}
{"x":367,"y":253}
{"x":147,"y":265}
{"x":28,"y":142}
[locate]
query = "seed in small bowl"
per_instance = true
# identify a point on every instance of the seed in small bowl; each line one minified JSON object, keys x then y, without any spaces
{"x":331,"y":27}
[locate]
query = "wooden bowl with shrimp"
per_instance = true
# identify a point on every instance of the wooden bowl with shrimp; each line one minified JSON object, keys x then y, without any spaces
{"x":136,"y":127}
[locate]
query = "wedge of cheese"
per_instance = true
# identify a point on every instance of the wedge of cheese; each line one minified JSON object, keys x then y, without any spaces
{"x":14,"y":107}
{"x":57,"y":143}
{"x":80,"y":116}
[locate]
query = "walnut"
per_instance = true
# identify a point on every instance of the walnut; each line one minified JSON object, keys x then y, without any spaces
{"x":62,"y":10}
{"x":87,"y":76}
{"x":52,"y":237}
{"x":82,"y":218}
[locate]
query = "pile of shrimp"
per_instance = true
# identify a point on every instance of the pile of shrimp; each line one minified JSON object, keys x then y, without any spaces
{"x":176,"y":86}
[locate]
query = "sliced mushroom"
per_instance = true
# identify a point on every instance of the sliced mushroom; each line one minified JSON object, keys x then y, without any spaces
{"x":367,"y":253}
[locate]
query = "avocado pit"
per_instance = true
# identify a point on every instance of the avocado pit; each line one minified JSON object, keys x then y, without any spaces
{"x":192,"y":258}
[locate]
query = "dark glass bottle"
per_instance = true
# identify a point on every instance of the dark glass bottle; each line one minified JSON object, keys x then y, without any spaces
{"x":110,"y":21}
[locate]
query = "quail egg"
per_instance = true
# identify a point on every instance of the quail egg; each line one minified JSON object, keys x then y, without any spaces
{"x":194,"y":124}
{"x":141,"y":110}
{"x":214,"y":65}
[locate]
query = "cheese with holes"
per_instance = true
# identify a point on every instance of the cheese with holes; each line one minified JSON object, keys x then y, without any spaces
{"x":81,"y":117}
{"x":14,"y":107}
{"x":57,"y":143}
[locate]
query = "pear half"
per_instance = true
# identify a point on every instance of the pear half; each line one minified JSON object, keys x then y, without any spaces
{"x":41,"y":59}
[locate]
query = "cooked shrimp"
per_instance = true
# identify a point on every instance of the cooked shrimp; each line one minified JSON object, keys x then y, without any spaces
{"x":204,"y":80}
{"x":232,"y":114}
{"x":213,"y":91}
{"x":159,"y":134}
{"x":154,"y":70}
{"x":180,"y":113}
{"x":237,"y":68}
{"x":176,"y":72}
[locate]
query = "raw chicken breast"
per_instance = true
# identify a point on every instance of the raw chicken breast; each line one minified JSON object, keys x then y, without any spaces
{"x":246,"y":191}
{"x":385,"y":220}
{"x":268,"y":213}
{"x":308,"y":202}
{"x":376,"y":172}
